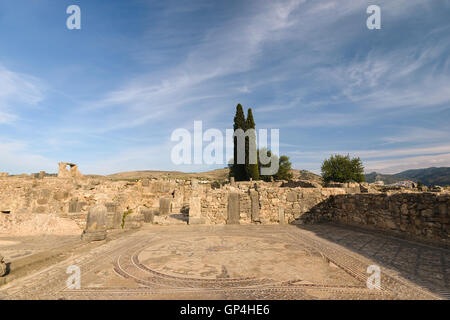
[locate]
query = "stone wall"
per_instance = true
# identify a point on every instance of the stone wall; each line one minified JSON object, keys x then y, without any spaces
{"x":423,"y":216}
{"x":418,"y":216}
{"x":271,"y":197}
{"x":73,"y":198}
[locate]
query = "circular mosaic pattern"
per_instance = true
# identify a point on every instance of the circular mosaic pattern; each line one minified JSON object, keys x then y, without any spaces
{"x":227,"y":261}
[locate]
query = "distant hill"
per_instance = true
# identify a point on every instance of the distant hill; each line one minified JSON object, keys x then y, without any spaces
{"x":218,"y":174}
{"x":306,"y":175}
{"x":429,"y":176}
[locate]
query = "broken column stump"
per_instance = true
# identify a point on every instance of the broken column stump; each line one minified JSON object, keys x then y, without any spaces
{"x":148,"y":214}
{"x":254,"y":198}
{"x":95,"y":224}
{"x":233,"y":208}
{"x":195,"y":213}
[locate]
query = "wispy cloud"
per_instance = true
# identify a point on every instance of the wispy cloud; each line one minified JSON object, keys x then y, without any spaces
{"x":18,"y":90}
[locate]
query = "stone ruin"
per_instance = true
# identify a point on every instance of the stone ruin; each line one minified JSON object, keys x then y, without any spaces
{"x":130,"y":204}
{"x":2,"y":266}
{"x":63,"y":172}
{"x":95,"y":224}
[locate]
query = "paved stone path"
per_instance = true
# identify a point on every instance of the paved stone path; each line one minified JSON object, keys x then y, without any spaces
{"x":244,"y":262}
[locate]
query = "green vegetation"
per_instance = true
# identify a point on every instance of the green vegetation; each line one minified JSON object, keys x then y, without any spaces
{"x":238,"y":170}
{"x":284,"y":169}
{"x":251,"y":169}
{"x":243,"y":172}
{"x":340,"y":168}
{"x":129,"y":211}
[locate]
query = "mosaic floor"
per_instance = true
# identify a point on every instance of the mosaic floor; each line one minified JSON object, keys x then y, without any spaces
{"x":243,"y":262}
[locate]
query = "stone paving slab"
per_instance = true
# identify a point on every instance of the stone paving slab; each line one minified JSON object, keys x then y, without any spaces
{"x":243,"y":262}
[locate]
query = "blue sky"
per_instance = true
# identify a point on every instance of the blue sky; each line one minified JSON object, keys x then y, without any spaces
{"x":109,"y":96}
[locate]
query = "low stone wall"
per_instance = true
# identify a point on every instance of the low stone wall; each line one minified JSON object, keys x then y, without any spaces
{"x":419,"y":216}
{"x":72,"y":198}
{"x":269,"y":199}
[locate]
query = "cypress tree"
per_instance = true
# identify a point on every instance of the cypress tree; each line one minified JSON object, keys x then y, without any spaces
{"x":238,"y":170}
{"x":251,"y":169}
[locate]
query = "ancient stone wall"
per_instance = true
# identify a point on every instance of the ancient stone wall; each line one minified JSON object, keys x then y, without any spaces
{"x":73,"y":198}
{"x":270,"y":198}
{"x":419,"y":216}
{"x":416,"y":215}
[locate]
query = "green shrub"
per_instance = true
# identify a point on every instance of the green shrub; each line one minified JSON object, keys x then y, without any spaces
{"x":125,"y":215}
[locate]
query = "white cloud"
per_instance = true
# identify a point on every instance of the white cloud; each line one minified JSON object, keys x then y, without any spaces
{"x":17,"y":158}
{"x":17,"y":90}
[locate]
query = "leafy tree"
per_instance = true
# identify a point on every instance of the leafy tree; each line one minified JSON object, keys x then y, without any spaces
{"x":340,"y":168}
{"x":284,"y":170}
{"x":419,"y":185}
{"x":251,"y":169}
{"x":238,"y":170}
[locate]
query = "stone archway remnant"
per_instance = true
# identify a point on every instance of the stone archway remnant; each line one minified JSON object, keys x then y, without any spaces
{"x":63,"y":172}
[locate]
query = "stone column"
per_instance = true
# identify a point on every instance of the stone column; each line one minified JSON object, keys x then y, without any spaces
{"x":113,"y":216}
{"x":233,"y":208}
{"x":96,"y":224}
{"x":281,"y":215}
{"x":195,"y":211}
{"x":254,"y":197}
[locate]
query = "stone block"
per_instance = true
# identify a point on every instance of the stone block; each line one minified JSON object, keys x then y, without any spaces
{"x":195,"y":214}
{"x":148,"y":214}
{"x":165,"y":206}
{"x":233,"y":208}
{"x":281,"y":218}
{"x":73,"y":205}
{"x":95,"y":224}
{"x":254,"y":198}
{"x":291,"y":196}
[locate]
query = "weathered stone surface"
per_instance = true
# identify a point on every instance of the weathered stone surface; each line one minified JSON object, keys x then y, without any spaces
{"x":281,"y":217}
{"x":254,"y":197}
{"x":165,"y":205}
{"x":2,"y":266}
{"x":149,"y":215}
{"x":145,"y":182}
{"x":64,"y":173}
{"x":133,"y":220}
{"x":95,"y":224}
{"x":61,"y":195}
{"x":233,"y":208}
{"x":113,"y":216}
{"x":73,"y":204}
{"x":195,"y":213}
{"x":418,"y":216}
{"x":291,"y":196}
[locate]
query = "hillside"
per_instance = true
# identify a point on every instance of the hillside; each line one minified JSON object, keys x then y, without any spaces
{"x":218,"y":174}
{"x":428,"y":176}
